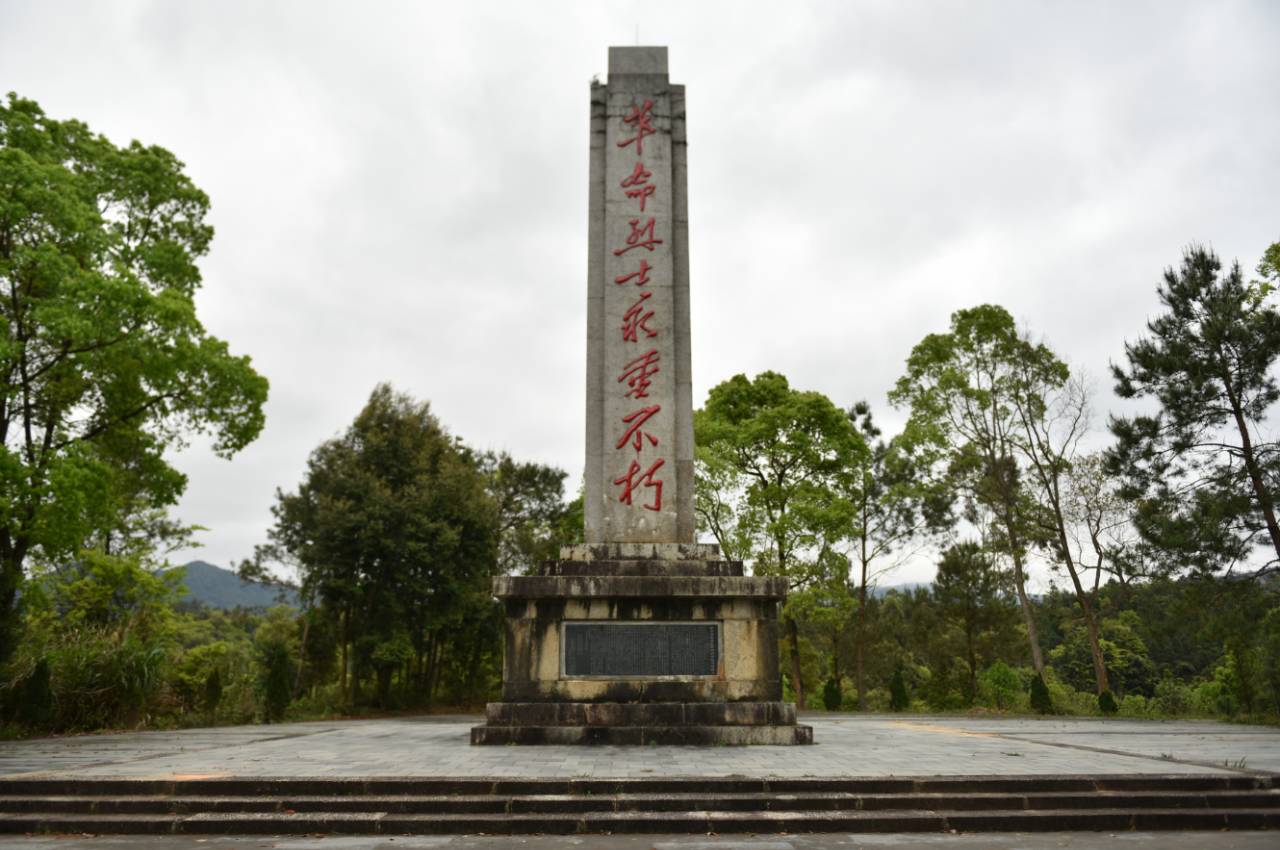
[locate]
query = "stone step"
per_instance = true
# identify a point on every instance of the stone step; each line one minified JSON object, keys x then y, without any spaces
{"x":368,"y":823}
{"x":685,"y":735}
{"x":640,"y":713}
{"x":443,"y":786}
{"x":675,"y":802}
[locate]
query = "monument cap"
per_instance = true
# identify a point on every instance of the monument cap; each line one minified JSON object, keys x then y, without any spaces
{"x":624,"y":61}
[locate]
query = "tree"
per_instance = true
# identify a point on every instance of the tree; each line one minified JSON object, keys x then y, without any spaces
{"x":395,"y":533}
{"x":103,"y":362}
{"x":1199,"y":469}
{"x":789,"y":453}
{"x":969,"y":588}
{"x":531,"y":513}
{"x":891,"y":512}
{"x":962,"y":389}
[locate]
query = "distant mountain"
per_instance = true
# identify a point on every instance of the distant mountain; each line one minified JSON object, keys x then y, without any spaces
{"x":879,"y":591}
{"x":219,"y":588}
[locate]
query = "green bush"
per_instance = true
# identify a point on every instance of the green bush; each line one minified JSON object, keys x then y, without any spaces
{"x":1107,"y":703}
{"x":35,"y":698}
{"x":275,"y":681}
{"x":1041,"y":701}
{"x":831,"y":695}
{"x":1000,"y":686}
{"x":898,"y":697}
{"x":212,"y":692}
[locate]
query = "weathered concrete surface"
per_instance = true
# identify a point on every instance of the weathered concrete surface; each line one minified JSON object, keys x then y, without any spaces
{"x":847,"y":745}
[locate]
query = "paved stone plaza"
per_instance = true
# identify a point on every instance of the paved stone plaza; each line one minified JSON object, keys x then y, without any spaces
{"x":846,"y":745}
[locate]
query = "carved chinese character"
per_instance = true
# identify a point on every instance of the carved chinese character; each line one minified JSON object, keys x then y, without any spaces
{"x":629,"y":483}
{"x":634,"y":420}
{"x":642,"y":275}
{"x":636,"y":318}
{"x":637,"y":372}
{"x":638,"y":118}
{"x":641,"y":237}
{"x":638,"y":185}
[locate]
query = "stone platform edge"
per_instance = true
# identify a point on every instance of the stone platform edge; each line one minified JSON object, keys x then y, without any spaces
{"x":685,"y":735}
{"x":652,"y":587}
{"x":569,"y":713}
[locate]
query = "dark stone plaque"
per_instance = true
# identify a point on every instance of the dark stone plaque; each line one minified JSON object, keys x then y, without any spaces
{"x":641,"y":649}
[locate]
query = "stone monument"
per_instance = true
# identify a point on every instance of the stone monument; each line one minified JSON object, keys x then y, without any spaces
{"x":640,"y":636}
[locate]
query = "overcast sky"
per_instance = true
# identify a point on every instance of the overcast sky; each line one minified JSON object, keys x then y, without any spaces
{"x":399,"y":189}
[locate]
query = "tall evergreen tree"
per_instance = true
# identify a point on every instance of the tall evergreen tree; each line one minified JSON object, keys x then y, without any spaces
{"x":1202,"y":468}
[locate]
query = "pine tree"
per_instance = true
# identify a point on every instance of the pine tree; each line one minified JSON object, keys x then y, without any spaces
{"x":1198,"y":469}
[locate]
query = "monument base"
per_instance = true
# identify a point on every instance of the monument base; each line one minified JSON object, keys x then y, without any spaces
{"x":641,"y":644}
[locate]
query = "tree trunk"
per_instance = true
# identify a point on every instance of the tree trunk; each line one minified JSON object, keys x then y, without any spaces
{"x":1095,"y":646}
{"x":972,"y":658}
{"x":1024,"y":604}
{"x":835,"y":656}
{"x":860,"y":633}
{"x":302,"y":657}
{"x":797,"y":679}
{"x":1082,"y":598}
{"x":1255,"y":473}
{"x":342,"y":674}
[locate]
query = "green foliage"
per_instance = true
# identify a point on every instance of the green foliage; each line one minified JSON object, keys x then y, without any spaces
{"x":1199,"y":470}
{"x":35,"y":703}
{"x":1000,"y":687}
{"x":212,"y":691}
{"x":971,"y":592}
{"x":788,"y":454}
{"x":105,"y":363}
{"x":396,"y":535}
{"x":1128,"y":662}
{"x":898,"y":697}
{"x":275,"y":680}
{"x":831,"y":696}
{"x":1107,"y":703}
{"x":1041,"y":701}
{"x":533,"y":521}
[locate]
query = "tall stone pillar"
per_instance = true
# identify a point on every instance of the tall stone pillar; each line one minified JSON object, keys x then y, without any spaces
{"x":639,"y":470}
{"x":640,"y":636}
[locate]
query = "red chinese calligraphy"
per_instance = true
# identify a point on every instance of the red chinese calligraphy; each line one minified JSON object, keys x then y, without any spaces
{"x":634,"y":420}
{"x":637,"y":373}
{"x":638,"y":185}
{"x":639,"y":118}
{"x":641,"y":237}
{"x":636,"y":319}
{"x":639,"y":176}
{"x":629,"y":483}
{"x":642,"y":274}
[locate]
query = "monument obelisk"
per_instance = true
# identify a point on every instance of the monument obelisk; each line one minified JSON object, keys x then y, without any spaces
{"x":641,"y":635}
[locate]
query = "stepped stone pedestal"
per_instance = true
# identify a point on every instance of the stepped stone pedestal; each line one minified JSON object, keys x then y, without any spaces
{"x":641,"y":644}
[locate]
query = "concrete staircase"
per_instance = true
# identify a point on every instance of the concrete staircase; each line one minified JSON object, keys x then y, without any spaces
{"x":400,"y":806}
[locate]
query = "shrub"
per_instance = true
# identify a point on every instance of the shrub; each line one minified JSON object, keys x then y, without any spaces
{"x":1041,"y":702}
{"x":1107,"y":703}
{"x":999,"y":686}
{"x":898,"y":697}
{"x":831,"y":695}
{"x":274,"y":681}
{"x":212,"y":692}
{"x":35,"y":700}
